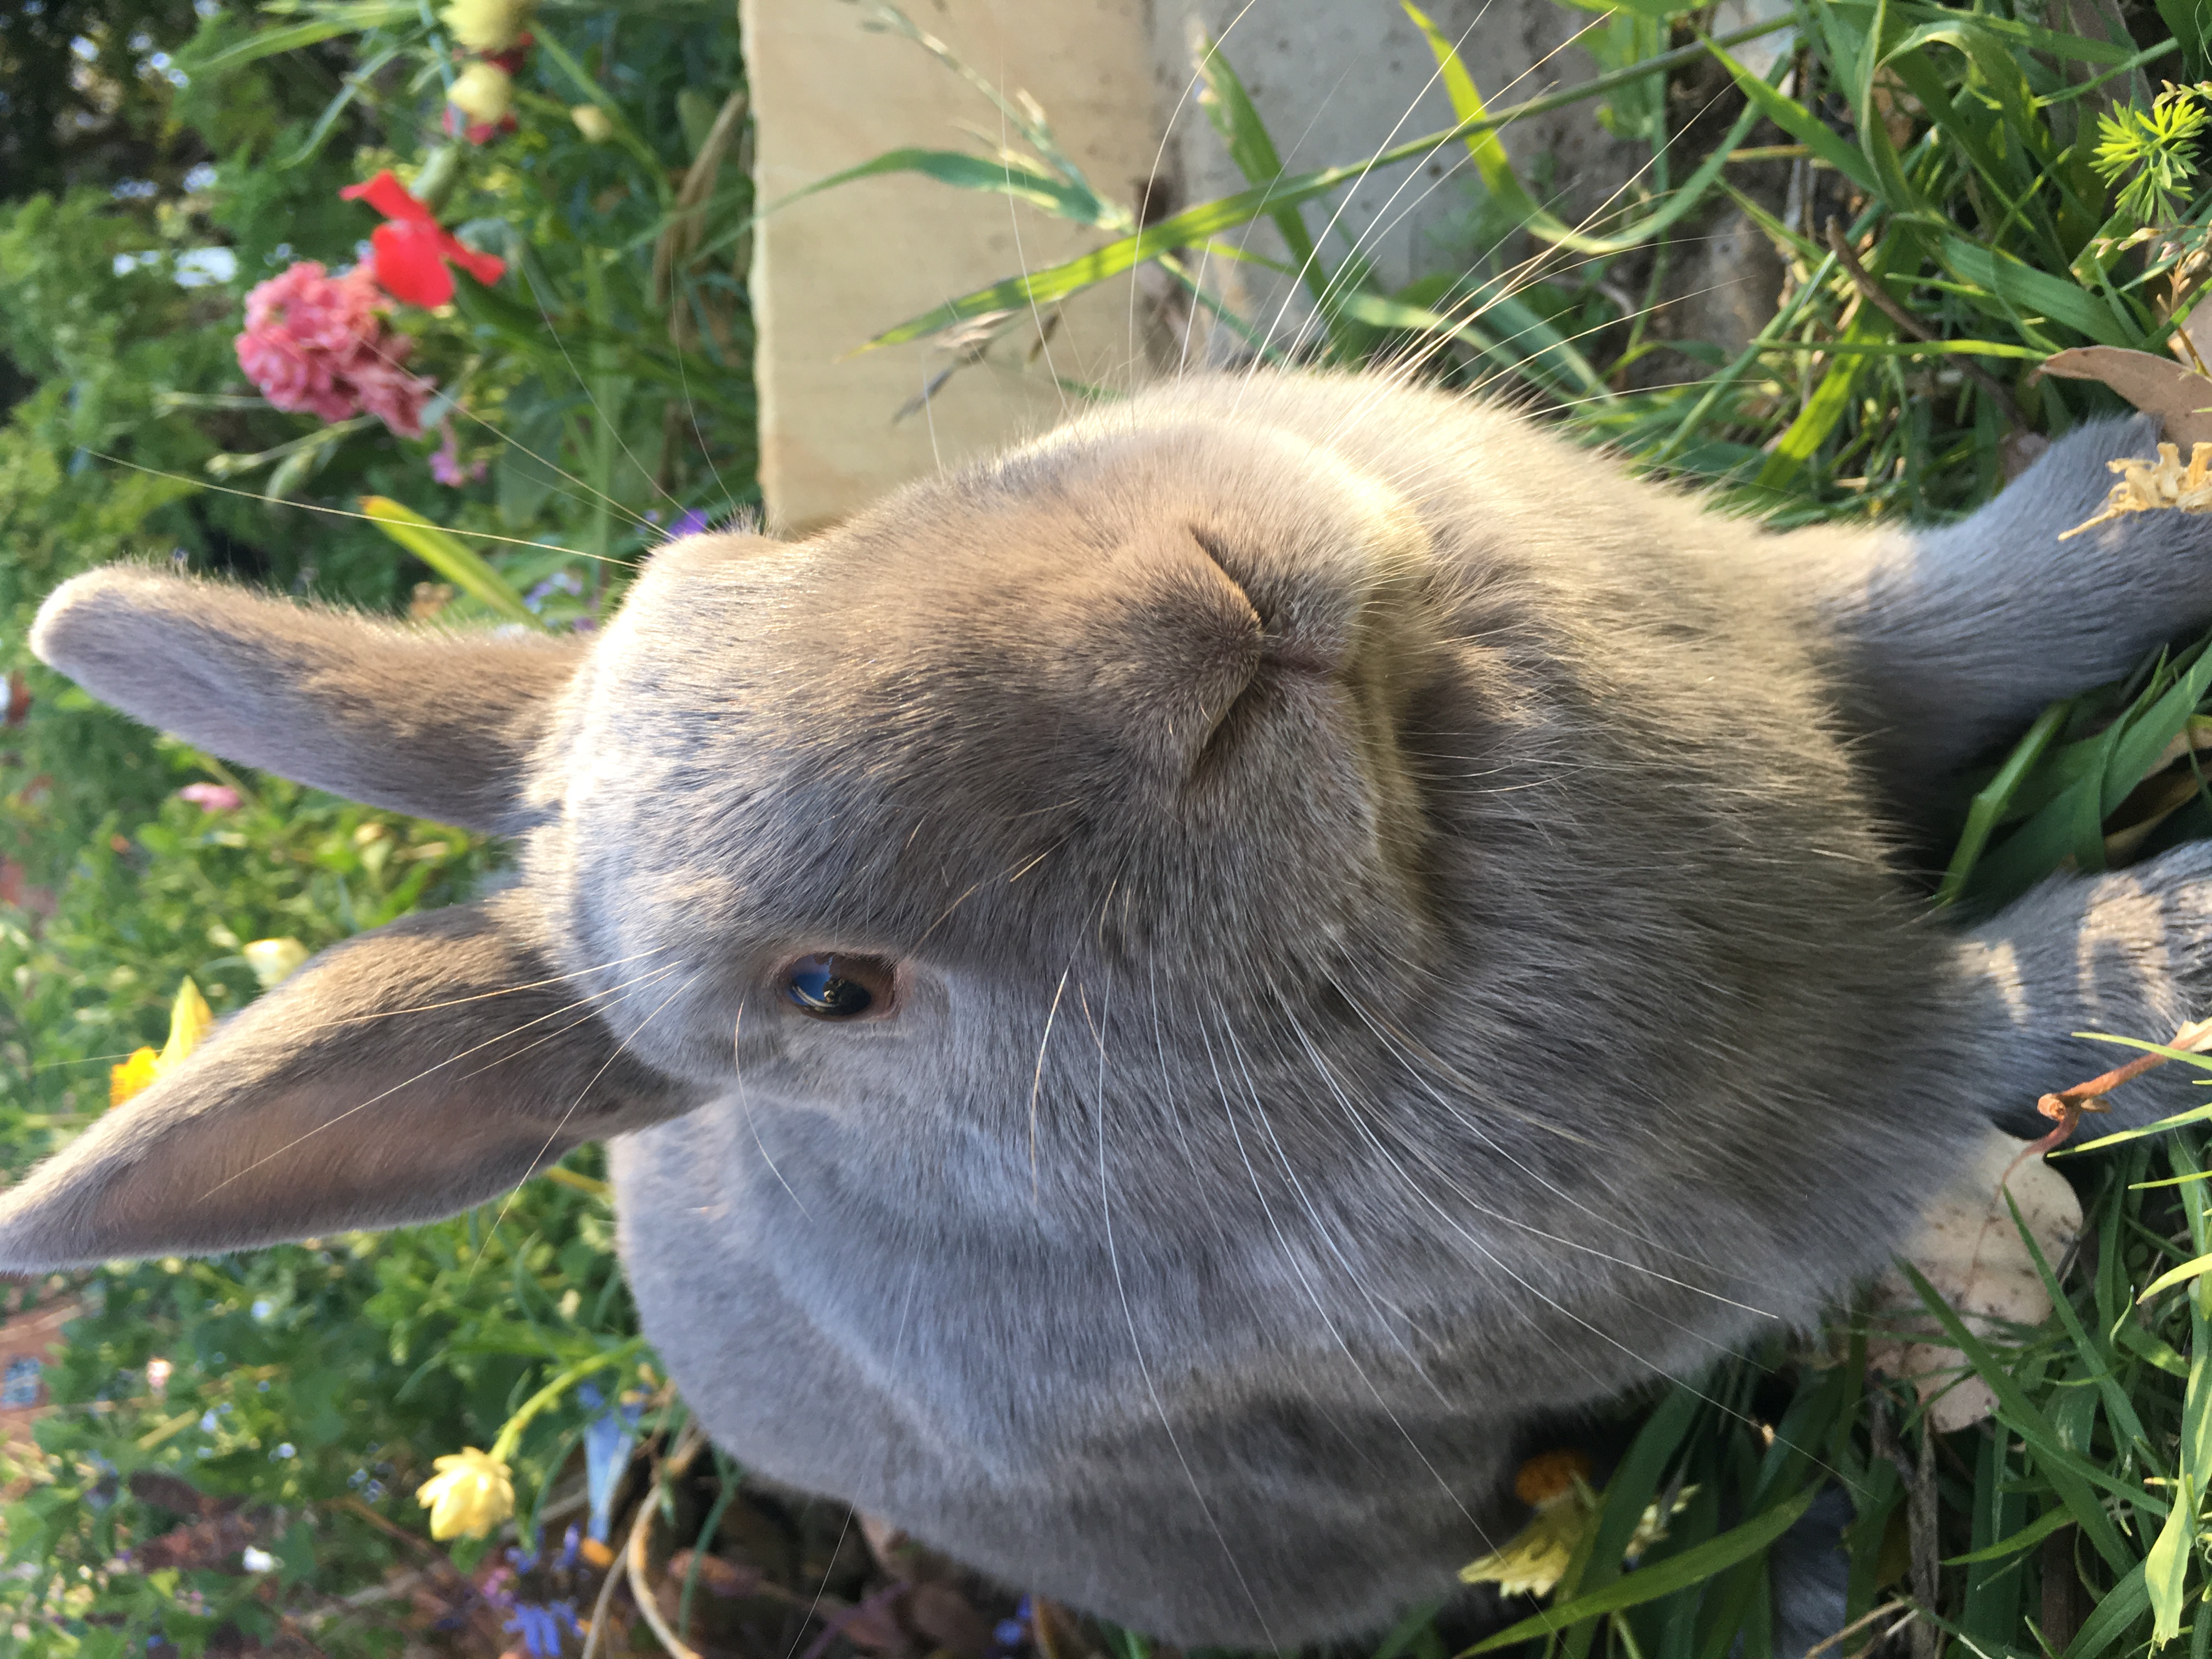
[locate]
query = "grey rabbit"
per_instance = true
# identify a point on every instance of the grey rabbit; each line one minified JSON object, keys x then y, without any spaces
{"x":1159,"y":999}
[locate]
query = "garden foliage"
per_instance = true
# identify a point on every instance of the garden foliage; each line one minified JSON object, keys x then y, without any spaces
{"x":505,"y":349}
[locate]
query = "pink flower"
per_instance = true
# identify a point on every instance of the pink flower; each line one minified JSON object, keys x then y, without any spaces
{"x":412,"y":246}
{"x":315,"y":345}
{"x":210,"y":797}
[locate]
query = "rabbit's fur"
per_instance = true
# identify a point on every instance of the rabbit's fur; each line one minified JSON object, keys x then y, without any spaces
{"x":1398,"y":933}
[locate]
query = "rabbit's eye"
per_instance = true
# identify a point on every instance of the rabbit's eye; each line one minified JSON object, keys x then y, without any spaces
{"x":840,"y":986}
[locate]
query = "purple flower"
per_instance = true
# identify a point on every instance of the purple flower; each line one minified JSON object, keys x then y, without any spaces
{"x":210,"y":797}
{"x":445,"y":466}
{"x":690,"y":524}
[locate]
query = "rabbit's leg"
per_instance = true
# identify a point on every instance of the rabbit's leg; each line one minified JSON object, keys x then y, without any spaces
{"x":2128,"y":954}
{"x":1951,"y":639}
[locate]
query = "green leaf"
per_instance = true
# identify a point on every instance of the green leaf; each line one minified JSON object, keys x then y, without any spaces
{"x":448,"y":555}
{"x":2051,"y":1521}
{"x":289,"y":37}
{"x":2022,"y":285}
{"x":1693,"y":1567}
{"x":1800,"y":122}
{"x":1991,"y":800}
{"x":1229,"y":106}
{"x":1007,"y":174}
{"x":2115,"y":1612}
{"x":2072,"y":1476}
{"x":1500,"y":178}
{"x":1827,"y":406}
{"x":1195,"y":224}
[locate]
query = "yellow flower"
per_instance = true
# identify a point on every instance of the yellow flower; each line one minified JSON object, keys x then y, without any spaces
{"x":591,"y":121}
{"x":487,"y":25}
{"x":1536,"y":1557}
{"x":470,"y":1495}
{"x":272,"y":959}
{"x":189,"y":1019}
{"x":1536,"y":1560}
{"x":134,"y":1076}
{"x":482,"y":91}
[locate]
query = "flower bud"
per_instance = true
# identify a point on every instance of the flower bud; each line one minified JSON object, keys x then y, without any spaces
{"x":272,"y":959}
{"x":487,"y":25}
{"x":483,"y":92}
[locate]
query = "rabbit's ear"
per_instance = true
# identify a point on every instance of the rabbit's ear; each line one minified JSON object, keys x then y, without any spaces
{"x":434,"y":724}
{"x":402,"y":1076}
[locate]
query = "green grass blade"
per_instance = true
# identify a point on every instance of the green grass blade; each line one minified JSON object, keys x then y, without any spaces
{"x":1693,"y":1567}
{"x":1503,"y":182}
{"x":451,"y":558}
{"x":1803,"y":437}
{"x":1194,"y":224}
{"x":1006,"y":175}
{"x":2115,"y":1613}
{"x":1801,"y":123}
{"x":2051,"y":1521}
{"x":1229,"y":106}
{"x":2072,"y":1476}
{"x":289,"y":37}
{"x":2064,"y":302}
{"x":1993,"y":797}
{"x":2118,"y":1406}
{"x":2195,"y":1268}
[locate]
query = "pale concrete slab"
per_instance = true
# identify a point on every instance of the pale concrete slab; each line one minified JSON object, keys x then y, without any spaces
{"x":1334,"y":80}
{"x":829,"y":272}
{"x":1337,"y":81}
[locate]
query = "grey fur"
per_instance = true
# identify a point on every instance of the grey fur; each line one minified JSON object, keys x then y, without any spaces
{"x":1398,"y":934}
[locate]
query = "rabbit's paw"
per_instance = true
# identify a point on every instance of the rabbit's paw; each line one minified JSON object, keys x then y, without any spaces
{"x":2127,"y":954}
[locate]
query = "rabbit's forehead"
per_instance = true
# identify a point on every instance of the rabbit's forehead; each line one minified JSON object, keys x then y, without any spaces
{"x":921,"y":724}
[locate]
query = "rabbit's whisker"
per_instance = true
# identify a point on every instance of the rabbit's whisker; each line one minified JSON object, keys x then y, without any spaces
{"x":553,"y":1134}
{"x":395,"y":1088}
{"x":1137,"y":1349}
{"x":746,"y":1105}
{"x":344,"y":513}
{"x":487,"y":996}
{"x":1293,"y":1259}
{"x":1036,"y":1082}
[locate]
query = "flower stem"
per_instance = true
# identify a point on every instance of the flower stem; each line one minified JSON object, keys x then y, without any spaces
{"x":510,"y":1435}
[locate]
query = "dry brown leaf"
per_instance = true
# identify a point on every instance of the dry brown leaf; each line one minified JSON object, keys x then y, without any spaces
{"x":1968,"y":1248}
{"x":2180,"y":397}
{"x":2162,"y":484}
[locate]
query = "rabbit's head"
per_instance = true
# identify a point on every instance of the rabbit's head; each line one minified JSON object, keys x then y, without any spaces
{"x":1232,"y":796}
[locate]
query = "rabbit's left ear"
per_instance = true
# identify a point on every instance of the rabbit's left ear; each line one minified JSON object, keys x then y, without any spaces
{"x":402,"y":1076}
{"x":444,"y":726}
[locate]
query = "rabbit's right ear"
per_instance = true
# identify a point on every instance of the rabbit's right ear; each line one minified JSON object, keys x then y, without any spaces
{"x":434,"y":724}
{"x":404,"y":1075}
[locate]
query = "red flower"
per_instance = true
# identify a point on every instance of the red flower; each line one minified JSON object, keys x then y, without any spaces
{"x":412,"y":246}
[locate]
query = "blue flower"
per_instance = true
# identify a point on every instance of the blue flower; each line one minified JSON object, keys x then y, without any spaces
{"x":607,"y":1440}
{"x":540,"y":1627}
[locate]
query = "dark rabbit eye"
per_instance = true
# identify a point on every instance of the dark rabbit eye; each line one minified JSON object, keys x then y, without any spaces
{"x":840,"y":986}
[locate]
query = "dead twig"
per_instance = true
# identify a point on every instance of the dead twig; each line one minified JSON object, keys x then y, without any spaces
{"x":1882,"y":299}
{"x":2064,"y":1108}
{"x":1855,"y":1628}
{"x":1922,"y":1519}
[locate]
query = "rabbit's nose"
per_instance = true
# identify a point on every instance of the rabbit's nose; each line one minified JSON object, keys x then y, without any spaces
{"x":1167,"y":643}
